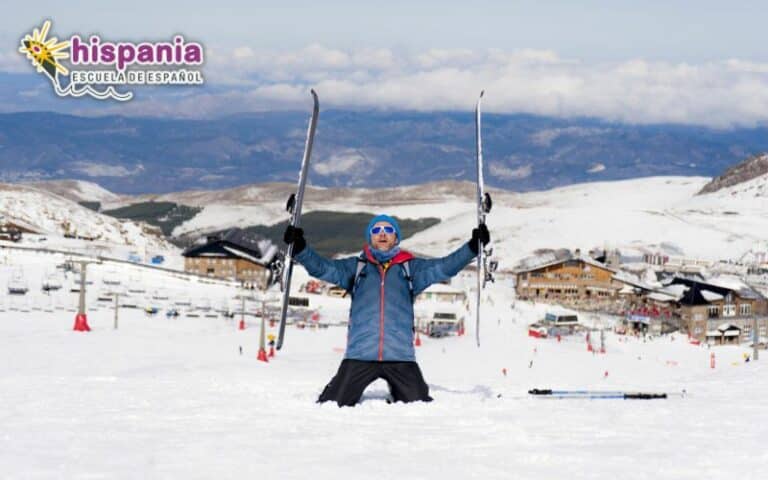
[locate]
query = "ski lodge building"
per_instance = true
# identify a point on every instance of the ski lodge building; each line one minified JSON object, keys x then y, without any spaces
{"x":233,"y":255}
{"x":572,"y":281}
{"x":721,"y":314}
{"x":715,"y":311}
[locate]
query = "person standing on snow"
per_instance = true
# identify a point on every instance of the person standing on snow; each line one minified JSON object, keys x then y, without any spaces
{"x":383,"y":282}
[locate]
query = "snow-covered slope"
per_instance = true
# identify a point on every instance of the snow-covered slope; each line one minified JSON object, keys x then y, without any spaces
{"x":50,"y":214}
{"x":175,"y":398}
{"x":77,"y":190}
{"x":643,"y":214}
{"x":647,"y":214}
{"x":753,"y":167}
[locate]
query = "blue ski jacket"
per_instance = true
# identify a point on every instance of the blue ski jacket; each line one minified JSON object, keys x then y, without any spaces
{"x":381,"y":314}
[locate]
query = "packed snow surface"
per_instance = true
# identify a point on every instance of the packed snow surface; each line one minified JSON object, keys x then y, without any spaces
{"x":174,"y":398}
{"x":166,"y":397}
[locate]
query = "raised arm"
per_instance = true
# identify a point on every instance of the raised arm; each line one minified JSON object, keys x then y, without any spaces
{"x":426,"y":272}
{"x":339,"y":272}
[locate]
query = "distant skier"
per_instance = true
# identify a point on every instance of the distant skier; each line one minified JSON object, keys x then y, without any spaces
{"x":383,"y":282}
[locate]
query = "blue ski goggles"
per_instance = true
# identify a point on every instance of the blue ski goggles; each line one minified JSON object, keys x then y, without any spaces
{"x":378,"y":229}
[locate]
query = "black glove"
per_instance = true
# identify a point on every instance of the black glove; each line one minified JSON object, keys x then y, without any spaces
{"x":480,"y":233}
{"x":296,"y":237}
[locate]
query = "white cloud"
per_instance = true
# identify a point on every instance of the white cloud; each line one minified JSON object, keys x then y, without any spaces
{"x":94,"y":169}
{"x":547,"y":136}
{"x":242,"y":52}
{"x":506,"y":173}
{"x":715,"y":93}
{"x":344,"y":162}
{"x":596,"y":168}
{"x":14,"y":62}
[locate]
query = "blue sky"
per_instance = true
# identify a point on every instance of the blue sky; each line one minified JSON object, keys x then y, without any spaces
{"x":588,"y":29}
{"x":645,"y":61}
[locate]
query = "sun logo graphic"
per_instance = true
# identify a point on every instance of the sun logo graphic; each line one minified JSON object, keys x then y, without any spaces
{"x":45,"y":53}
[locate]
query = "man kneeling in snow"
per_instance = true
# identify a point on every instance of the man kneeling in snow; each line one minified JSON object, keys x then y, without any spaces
{"x":383,"y":282}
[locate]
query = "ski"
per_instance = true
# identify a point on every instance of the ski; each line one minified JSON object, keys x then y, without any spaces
{"x":596,"y":394}
{"x":484,"y":270}
{"x":293,"y":206}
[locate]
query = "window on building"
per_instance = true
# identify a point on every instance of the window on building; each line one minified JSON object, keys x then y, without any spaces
{"x":745,"y":309}
{"x":714,"y":311}
{"x":729,"y":310}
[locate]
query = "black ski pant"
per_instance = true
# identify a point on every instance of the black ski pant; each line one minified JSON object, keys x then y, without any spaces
{"x":406,"y":384}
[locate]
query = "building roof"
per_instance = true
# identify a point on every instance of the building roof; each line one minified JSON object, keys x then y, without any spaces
{"x":662,"y":297}
{"x":694,"y":294}
{"x":581,"y":258}
{"x":236,"y":243}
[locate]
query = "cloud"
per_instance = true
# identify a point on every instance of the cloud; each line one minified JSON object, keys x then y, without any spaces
{"x":342,"y":162}
{"x":94,"y":169}
{"x":506,"y":173}
{"x":11,"y":61}
{"x":719,"y":93}
{"x":545,"y":137}
{"x":596,"y":168}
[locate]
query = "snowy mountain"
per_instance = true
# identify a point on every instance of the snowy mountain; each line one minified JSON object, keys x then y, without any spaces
{"x":47,"y":213}
{"x":371,"y":149}
{"x":77,"y":190}
{"x":750,"y":169}
{"x":656,"y":214}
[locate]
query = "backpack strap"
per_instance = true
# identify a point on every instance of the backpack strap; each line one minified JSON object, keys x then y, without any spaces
{"x":407,"y":268}
{"x":361,"y":263}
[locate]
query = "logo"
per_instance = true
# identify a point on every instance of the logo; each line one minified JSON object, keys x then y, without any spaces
{"x":109,"y":65}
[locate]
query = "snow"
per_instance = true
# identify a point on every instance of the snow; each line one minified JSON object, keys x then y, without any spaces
{"x":171,"y":398}
{"x":711,"y":296}
{"x":627,"y":214}
{"x":223,"y":216}
{"x":52,"y":215}
{"x":729,"y":282}
{"x":77,"y":190}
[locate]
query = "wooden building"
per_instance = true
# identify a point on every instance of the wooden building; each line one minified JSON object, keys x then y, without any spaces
{"x":574,"y":281}
{"x":721,"y":314}
{"x":235,"y":255}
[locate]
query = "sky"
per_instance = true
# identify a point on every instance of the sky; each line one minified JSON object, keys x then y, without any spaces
{"x":690,"y":62}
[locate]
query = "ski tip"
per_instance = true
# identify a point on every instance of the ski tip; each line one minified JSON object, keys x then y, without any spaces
{"x":314,"y":94}
{"x":482,"y":92}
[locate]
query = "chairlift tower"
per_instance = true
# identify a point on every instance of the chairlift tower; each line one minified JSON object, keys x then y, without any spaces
{"x":81,"y":319}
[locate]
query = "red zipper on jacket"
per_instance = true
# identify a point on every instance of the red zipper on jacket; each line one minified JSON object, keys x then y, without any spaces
{"x":383,"y":273}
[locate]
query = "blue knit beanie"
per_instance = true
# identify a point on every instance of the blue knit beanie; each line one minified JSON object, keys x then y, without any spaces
{"x":382,"y":218}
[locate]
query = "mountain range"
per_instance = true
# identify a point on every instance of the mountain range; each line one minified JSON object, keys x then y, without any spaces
{"x":361,"y":149}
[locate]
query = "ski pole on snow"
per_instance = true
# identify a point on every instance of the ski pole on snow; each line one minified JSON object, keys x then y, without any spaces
{"x":597,"y":394}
